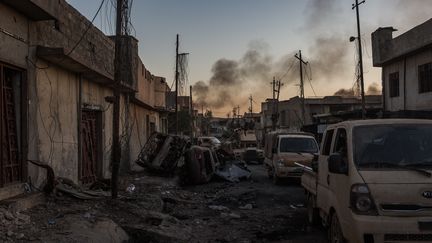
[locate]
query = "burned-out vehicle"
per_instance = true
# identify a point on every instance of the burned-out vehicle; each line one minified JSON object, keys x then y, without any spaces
{"x":162,"y":152}
{"x":199,"y":165}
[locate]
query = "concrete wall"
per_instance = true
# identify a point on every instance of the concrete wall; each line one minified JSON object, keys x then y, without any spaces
{"x":385,"y":48}
{"x":54,"y":89}
{"x":13,"y":36}
{"x":53,"y":131}
{"x":412,"y":99}
{"x":146,"y":85}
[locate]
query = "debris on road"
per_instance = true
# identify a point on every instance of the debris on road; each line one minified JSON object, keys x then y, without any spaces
{"x":246,"y":207}
{"x":233,"y":173}
{"x":219,"y":208}
{"x":68,"y":187}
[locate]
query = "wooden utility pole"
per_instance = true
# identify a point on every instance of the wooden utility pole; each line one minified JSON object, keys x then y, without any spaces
{"x":356,"y":6}
{"x":302,"y":96}
{"x":177,"y":82}
{"x":116,"y":146}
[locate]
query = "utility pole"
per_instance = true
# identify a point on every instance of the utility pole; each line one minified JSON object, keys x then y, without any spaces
{"x":356,"y":6}
{"x":116,"y":146}
{"x":273,"y":116}
{"x":302,"y":96}
{"x":250,"y":105}
{"x":176,"y":82}
{"x":191,"y":112}
{"x":276,"y":84}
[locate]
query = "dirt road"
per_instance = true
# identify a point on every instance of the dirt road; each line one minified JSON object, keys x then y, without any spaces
{"x":277,"y":213}
{"x":159,"y":210}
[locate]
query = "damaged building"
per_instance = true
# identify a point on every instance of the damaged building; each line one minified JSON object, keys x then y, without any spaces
{"x":57,"y":81}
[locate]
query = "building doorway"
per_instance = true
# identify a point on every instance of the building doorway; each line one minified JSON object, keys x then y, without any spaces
{"x":91,"y":144}
{"x":11,"y":164}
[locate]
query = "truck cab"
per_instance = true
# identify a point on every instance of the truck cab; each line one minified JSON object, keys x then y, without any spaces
{"x":373,"y":181}
{"x":284,"y":150}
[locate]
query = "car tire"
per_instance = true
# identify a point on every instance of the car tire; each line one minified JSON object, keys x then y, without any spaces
{"x":335,"y":234}
{"x":313,"y":213}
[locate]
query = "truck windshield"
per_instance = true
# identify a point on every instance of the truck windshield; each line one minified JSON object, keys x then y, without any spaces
{"x":298,"y":145}
{"x":393,"y":146}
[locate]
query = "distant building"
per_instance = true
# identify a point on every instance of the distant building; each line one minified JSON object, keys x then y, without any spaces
{"x":406,"y":63}
{"x":290,"y":115}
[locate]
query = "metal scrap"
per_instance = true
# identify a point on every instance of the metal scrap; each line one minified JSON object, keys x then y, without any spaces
{"x":233,"y":172}
{"x":162,"y":152}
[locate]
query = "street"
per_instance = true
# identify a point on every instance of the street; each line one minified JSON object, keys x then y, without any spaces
{"x":278,"y":213}
{"x":158,"y":210}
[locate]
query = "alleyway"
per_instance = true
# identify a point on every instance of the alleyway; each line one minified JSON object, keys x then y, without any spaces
{"x":158,"y":210}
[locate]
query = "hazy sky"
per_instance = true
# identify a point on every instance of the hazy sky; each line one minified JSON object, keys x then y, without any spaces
{"x":254,"y":40}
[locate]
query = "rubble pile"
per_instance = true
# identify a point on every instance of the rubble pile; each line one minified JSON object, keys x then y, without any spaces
{"x":12,"y":223}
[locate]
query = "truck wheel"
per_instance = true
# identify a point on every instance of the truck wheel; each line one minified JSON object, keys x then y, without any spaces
{"x":335,"y":231}
{"x":313,"y":213}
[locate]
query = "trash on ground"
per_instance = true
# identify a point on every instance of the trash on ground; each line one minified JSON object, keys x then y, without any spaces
{"x":219,"y":208}
{"x":233,"y":173}
{"x":246,"y":207}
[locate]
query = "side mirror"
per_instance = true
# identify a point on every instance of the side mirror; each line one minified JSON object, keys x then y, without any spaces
{"x":337,"y":165}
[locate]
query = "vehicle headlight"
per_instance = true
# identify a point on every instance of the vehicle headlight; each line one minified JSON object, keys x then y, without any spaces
{"x":361,"y":200}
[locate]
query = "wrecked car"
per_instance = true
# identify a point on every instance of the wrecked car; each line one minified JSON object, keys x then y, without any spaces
{"x":209,"y":142}
{"x":162,"y":152}
{"x":199,"y":165}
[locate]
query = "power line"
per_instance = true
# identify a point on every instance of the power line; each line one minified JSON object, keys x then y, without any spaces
{"x":289,"y":69}
{"x":88,"y":28}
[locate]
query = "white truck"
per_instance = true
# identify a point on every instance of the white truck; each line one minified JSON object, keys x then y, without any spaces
{"x":372,"y":181}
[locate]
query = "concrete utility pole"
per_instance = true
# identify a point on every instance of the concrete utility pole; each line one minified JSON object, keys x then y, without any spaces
{"x":302,"y":96}
{"x":176,"y":82}
{"x":116,"y":146}
{"x":356,"y":6}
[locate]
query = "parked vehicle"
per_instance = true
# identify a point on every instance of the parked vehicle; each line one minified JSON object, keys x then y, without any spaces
{"x":253,"y":155}
{"x":372,"y":181}
{"x":284,"y":150}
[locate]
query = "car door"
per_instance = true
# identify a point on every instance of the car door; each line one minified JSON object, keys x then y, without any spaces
{"x":339,"y":184}
{"x":322,"y":183}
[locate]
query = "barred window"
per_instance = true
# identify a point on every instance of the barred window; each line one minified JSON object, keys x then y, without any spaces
{"x":425,"y":77}
{"x":394,"y":84}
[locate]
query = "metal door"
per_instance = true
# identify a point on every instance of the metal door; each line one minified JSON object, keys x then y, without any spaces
{"x":10,"y":165}
{"x":90,"y":146}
